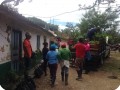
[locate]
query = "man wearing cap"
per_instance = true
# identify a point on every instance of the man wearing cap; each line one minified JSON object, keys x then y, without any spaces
{"x":80,"y":54}
{"x":65,"y":57}
{"x":27,"y":50}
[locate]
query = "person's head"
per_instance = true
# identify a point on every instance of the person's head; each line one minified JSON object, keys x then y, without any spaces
{"x":45,"y":44}
{"x":52,"y":48}
{"x":81,"y":40}
{"x":52,"y":42}
{"x":28,"y":35}
{"x":63,"y":46}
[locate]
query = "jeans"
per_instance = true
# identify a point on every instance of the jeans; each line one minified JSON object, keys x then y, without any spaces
{"x":45,"y":67}
{"x":79,"y":66}
{"x":53,"y":70}
{"x":27,"y":62}
{"x":64,"y":73}
{"x":64,"y":70}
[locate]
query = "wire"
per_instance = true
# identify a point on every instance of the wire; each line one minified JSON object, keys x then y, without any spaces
{"x":54,"y":15}
{"x":81,"y":8}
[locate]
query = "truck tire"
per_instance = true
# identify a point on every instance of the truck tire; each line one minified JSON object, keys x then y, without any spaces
{"x":108,"y":55}
{"x":101,"y":60}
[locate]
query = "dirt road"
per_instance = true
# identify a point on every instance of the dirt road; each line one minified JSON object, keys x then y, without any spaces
{"x":93,"y":81}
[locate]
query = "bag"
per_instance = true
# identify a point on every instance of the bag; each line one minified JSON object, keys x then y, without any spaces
{"x":30,"y":82}
{"x":38,"y":72}
{"x":27,"y":84}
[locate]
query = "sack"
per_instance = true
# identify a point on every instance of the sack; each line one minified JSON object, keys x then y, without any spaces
{"x":38,"y":72}
{"x":30,"y":82}
{"x":27,"y":84}
{"x":64,"y":63}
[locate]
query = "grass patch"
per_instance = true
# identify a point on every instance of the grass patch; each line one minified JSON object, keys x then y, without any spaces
{"x":112,"y":64}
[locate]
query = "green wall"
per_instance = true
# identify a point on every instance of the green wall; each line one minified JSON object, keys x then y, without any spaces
{"x":4,"y":68}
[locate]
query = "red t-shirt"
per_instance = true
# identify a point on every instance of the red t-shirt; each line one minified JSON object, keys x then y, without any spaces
{"x":80,"y":50}
{"x":27,"y":48}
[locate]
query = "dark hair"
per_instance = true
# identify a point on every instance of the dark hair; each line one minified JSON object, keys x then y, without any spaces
{"x":45,"y":43}
{"x":63,"y":46}
{"x":81,"y":40}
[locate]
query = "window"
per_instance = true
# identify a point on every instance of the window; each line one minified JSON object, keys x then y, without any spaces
{"x":38,"y":41}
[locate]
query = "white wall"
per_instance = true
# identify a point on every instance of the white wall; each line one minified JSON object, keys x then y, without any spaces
{"x":5,"y":54}
{"x":34,"y":38}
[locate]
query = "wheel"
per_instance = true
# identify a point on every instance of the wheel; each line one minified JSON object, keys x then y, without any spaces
{"x":108,"y":55}
{"x":101,"y":60}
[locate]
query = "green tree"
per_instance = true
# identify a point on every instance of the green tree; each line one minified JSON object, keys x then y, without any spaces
{"x":72,"y":31}
{"x":95,"y":18}
{"x":106,"y":21}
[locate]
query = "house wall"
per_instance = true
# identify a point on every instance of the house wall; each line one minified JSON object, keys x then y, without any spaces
{"x":5,"y":53}
{"x":5,"y":45}
{"x":33,"y":39}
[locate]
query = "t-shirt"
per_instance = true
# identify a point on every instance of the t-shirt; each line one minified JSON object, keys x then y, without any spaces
{"x":52,"y":57}
{"x":44,"y":52}
{"x":27,"y":48}
{"x":80,"y":50}
{"x":87,"y":46}
{"x":65,"y":54}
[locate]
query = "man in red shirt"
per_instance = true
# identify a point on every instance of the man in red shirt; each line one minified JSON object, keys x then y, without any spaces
{"x":80,"y":54}
{"x":27,"y":50}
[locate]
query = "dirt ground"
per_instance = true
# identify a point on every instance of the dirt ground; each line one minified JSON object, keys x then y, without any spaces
{"x":93,"y":81}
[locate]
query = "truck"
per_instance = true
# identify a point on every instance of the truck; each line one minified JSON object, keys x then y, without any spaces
{"x":99,"y":48}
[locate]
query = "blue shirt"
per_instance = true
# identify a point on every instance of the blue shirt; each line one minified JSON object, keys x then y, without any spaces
{"x":52,"y":57}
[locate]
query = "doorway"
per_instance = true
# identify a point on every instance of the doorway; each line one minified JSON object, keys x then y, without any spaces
{"x":16,"y":49}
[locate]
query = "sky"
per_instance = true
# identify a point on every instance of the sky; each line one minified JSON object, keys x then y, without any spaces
{"x":48,"y":10}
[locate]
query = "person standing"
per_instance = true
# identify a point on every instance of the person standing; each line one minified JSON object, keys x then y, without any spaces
{"x":44,"y":53}
{"x":65,"y":56}
{"x":73,"y":55}
{"x":87,"y":57}
{"x":52,"y":57}
{"x":27,"y":50}
{"x":80,"y":54}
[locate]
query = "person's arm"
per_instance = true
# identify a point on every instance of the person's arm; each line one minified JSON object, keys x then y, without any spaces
{"x":74,"y":47}
{"x":47,"y":56}
{"x":59,"y":56}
